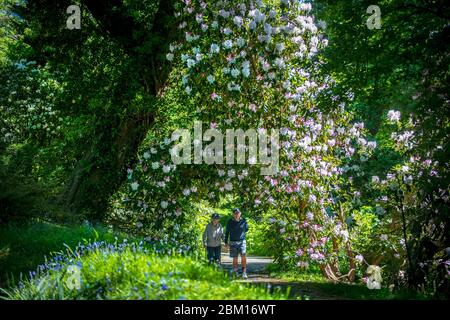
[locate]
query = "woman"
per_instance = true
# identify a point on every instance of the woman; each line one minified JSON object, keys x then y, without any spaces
{"x":212,"y":238}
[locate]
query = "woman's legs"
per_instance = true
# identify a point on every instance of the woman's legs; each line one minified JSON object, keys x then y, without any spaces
{"x":217,"y":254}
{"x":210,"y":253}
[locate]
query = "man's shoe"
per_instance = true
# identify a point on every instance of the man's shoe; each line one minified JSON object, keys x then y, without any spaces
{"x":236,"y":274}
{"x":244,"y":275}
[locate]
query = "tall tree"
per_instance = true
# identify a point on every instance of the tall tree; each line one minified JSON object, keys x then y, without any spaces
{"x":113,"y":69}
{"x":404,"y":66}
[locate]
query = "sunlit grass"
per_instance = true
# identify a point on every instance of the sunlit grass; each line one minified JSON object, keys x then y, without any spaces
{"x":133,"y":272}
{"x":23,"y":247}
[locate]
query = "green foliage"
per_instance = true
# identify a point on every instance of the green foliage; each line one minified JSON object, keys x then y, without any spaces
{"x":257,"y":241}
{"x":24,"y":246}
{"x":132,"y":272}
{"x":314,"y":285}
{"x":402,"y":66}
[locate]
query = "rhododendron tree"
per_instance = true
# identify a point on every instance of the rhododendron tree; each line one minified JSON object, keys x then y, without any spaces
{"x":413,"y":186}
{"x":402,"y":94}
{"x":252,"y":65}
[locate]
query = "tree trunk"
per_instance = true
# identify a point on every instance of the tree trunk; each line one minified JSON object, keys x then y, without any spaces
{"x":351,"y":262}
{"x":103,"y":168}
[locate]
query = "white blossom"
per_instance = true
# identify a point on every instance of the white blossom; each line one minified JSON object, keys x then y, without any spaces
{"x":238,"y":21}
{"x":240,"y":42}
{"x":210,"y":79}
{"x":393,"y":115}
{"x":235,"y":73}
{"x":227,"y":44}
{"x":214,"y":48}
{"x":134,"y":186}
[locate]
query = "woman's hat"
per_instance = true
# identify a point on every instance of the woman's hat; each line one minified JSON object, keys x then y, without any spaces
{"x":215,"y":216}
{"x":236,"y":210}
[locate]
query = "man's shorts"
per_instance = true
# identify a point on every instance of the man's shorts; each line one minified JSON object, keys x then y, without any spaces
{"x":238,"y":247}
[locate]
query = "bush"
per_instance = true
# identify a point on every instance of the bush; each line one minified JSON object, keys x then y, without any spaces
{"x":257,"y":240}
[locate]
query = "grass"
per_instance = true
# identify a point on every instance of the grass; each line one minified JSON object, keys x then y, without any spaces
{"x":108,"y":269}
{"x":113,"y":271}
{"x":23,"y":247}
{"x":322,"y":288}
{"x":131,"y":271}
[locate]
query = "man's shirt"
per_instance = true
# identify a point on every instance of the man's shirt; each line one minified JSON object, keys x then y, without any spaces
{"x":236,"y":230}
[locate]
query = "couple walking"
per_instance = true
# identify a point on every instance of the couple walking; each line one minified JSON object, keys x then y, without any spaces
{"x":234,"y":236}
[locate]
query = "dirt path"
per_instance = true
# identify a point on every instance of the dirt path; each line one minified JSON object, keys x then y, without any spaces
{"x":258,"y":275}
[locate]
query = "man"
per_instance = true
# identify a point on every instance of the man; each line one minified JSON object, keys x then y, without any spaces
{"x":212,"y":239}
{"x":236,"y":231}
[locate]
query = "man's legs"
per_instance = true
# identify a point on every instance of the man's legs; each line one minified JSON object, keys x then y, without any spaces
{"x":243,"y":252}
{"x":244,"y":263}
{"x":234,"y":253}
{"x":235,"y":264}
